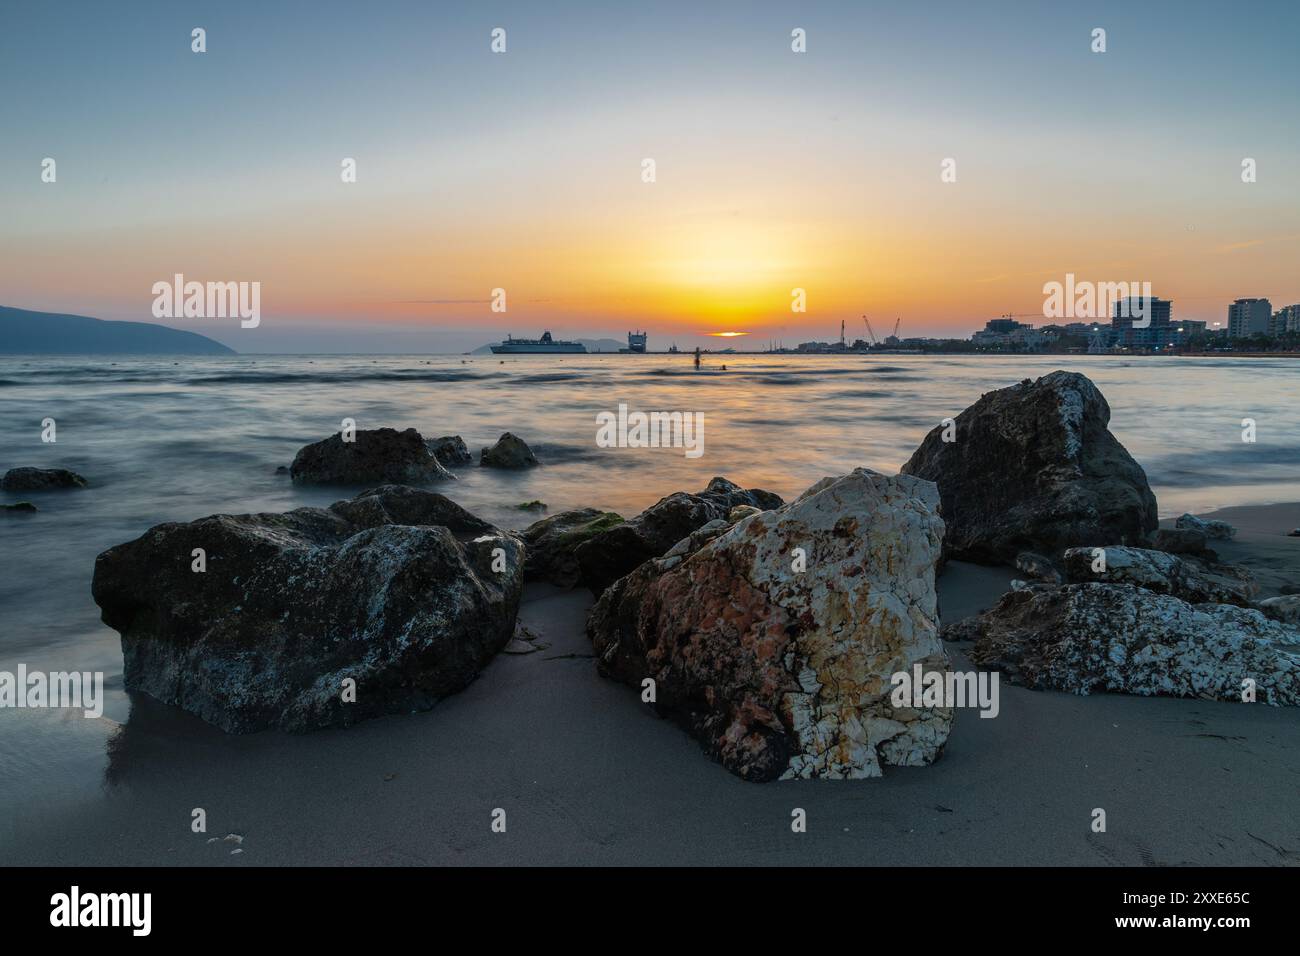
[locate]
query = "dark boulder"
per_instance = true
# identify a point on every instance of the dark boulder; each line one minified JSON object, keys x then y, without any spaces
{"x":450,"y":450}
{"x":509,"y":452}
{"x":551,"y":543}
{"x":606,"y":557}
{"x":1034,"y":467}
{"x":19,"y":507}
{"x":1218,"y":530}
{"x":398,"y":590}
{"x":41,"y":479}
{"x":1037,"y":567}
{"x":1180,"y":541}
{"x":378,"y":455}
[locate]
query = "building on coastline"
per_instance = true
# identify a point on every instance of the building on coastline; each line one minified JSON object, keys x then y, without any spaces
{"x":1092,"y":337}
{"x":1128,"y":330}
{"x":1285,"y":319}
{"x":1185,"y":330}
{"x":1249,"y":317}
{"x":1005,"y":333}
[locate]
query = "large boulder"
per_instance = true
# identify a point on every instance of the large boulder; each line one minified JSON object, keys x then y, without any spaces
{"x":41,"y":479}
{"x":552,"y":541}
{"x":381,"y":455}
{"x":1034,"y":467}
{"x":450,"y":450}
{"x":783,"y":668}
{"x":1213,"y":529}
{"x":1180,"y":541}
{"x":606,"y":557}
{"x":1285,"y":608}
{"x":399,"y":590}
{"x":510,"y":451}
{"x":1119,"y":638}
{"x":402,"y":504}
{"x":1195,"y":581}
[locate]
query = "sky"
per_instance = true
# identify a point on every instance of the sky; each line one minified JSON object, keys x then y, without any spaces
{"x":523,"y":170}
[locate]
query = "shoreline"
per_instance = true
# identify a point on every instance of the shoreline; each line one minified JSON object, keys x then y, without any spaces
{"x":589,"y":776}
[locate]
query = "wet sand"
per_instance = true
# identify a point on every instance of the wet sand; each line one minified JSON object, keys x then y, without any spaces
{"x":587,"y":774}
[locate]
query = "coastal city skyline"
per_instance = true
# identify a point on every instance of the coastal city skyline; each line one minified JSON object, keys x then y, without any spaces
{"x":699,"y":169}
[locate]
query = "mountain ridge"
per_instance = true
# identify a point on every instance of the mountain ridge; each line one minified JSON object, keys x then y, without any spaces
{"x":26,"y":332}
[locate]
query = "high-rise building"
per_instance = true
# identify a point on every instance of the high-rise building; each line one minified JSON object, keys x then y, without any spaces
{"x":1154,"y":334}
{"x":1285,"y":319}
{"x":1249,"y":317}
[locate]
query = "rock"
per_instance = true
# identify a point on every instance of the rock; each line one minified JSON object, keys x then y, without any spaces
{"x":19,"y":507}
{"x":381,"y":455}
{"x":394,"y":589}
{"x":401,"y":504}
{"x":524,"y":641}
{"x":731,"y":495}
{"x":1037,"y":567}
{"x":533,"y":505}
{"x":1185,"y":577}
{"x":1285,"y":608}
{"x":741,"y":511}
{"x":782,"y":672}
{"x":697,"y":539}
{"x":1216,"y":530}
{"x":1180,"y":541}
{"x":1118,"y":638}
{"x":551,"y":543}
{"x":1034,"y":467}
{"x":450,"y":450}
{"x":608,"y":556}
{"x":1295,"y":533}
{"x":41,"y":479}
{"x":508,"y":452}
{"x":282,"y":470}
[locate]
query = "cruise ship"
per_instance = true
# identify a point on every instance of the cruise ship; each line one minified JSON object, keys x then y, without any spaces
{"x":513,"y":346}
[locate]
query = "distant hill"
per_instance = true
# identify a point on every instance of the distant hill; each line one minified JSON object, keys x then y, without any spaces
{"x":44,"y":333}
{"x":593,"y":345}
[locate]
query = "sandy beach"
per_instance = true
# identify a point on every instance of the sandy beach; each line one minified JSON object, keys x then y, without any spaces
{"x":588,"y":775}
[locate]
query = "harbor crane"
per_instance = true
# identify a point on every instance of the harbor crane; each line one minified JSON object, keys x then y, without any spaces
{"x":870,"y":333}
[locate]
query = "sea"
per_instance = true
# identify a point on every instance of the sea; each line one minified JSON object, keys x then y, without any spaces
{"x":176,"y":438}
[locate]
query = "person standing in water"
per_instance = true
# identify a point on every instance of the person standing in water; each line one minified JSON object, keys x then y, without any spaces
{"x":697,"y":357}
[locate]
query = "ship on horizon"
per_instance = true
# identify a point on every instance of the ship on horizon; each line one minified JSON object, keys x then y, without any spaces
{"x":546,"y":344}
{"x":635,"y":343}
